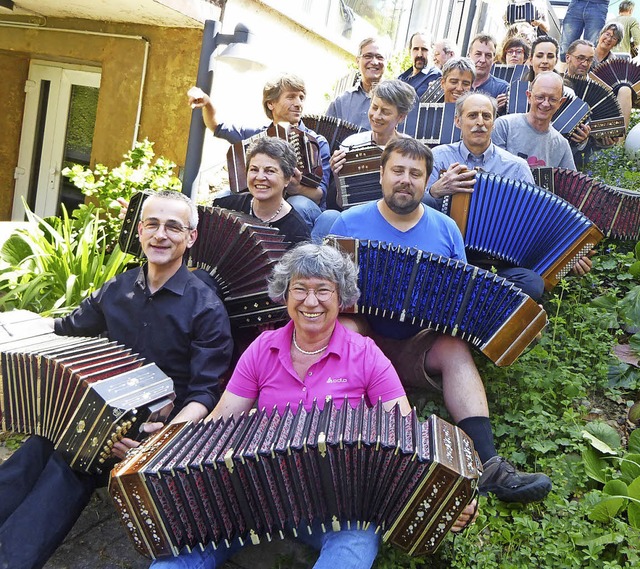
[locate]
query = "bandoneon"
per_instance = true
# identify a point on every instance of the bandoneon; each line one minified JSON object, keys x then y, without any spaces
{"x":445,"y":295}
{"x":359,"y":180}
{"x":523,"y":12}
{"x":606,"y":118}
{"x":510,"y":73}
{"x":239,"y":251}
{"x":83,"y":394}
{"x":616,"y":211}
{"x":432,"y":123}
{"x":617,"y":72}
{"x":333,"y":129}
{"x":523,"y":225}
{"x":304,"y":144}
{"x":434,"y":93}
{"x":266,"y":475}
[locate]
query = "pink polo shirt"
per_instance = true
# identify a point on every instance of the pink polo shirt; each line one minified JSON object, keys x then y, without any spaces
{"x":352,"y":366}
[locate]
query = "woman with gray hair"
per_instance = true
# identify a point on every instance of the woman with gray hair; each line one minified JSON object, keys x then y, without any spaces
{"x":610,"y":36}
{"x":271,"y":163}
{"x":311,"y":358}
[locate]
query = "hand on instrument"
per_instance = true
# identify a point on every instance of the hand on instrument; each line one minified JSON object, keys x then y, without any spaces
{"x":584,"y":264}
{"x":607,"y":141}
{"x":198,"y":98}
{"x":502,"y":101}
{"x":293,"y":188}
{"x":581,"y":133}
{"x":457,"y":178}
{"x":120,"y":448}
{"x":466,"y":518}
{"x":337,"y":161}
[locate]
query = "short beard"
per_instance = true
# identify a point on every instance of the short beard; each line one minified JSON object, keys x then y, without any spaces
{"x":405,"y":209}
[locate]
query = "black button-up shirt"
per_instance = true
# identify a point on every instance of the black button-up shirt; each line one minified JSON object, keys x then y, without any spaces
{"x":183,"y":328}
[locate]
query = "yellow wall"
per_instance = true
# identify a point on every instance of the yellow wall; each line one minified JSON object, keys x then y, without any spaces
{"x":172,"y":67}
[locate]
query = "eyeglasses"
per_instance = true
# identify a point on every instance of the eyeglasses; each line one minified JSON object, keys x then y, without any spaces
{"x":515,"y":51}
{"x":581,"y":58}
{"x":609,"y":35}
{"x":372,"y":56}
{"x":300,"y":293}
{"x":171,"y":227}
{"x":542,"y":98}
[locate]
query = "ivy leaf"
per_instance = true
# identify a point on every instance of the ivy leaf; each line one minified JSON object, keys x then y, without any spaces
{"x":602,"y":437}
{"x":594,"y":465}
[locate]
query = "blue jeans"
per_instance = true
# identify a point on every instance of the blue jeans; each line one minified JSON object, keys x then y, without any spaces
{"x":306,"y":208}
{"x":40,"y":500}
{"x":531,"y":283}
{"x":323,"y":225}
{"x":582,"y":15}
{"x":346,"y":549}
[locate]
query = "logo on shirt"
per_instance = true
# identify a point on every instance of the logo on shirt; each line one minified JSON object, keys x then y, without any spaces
{"x":337,"y":380}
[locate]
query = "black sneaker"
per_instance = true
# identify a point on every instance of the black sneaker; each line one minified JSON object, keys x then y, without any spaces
{"x":502,"y":479}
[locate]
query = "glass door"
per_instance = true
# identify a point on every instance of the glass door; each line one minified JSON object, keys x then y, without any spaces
{"x":57,"y":131}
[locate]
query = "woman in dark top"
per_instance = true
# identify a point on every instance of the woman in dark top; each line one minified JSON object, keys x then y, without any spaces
{"x":271,"y":164}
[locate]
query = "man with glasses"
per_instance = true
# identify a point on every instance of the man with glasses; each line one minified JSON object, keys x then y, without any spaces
{"x":161,"y":311}
{"x":530,"y":135}
{"x":353,"y":104}
{"x":420,"y":74}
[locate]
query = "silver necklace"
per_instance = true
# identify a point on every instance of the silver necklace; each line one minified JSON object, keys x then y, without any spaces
{"x":251,"y":212}
{"x":305,"y":352}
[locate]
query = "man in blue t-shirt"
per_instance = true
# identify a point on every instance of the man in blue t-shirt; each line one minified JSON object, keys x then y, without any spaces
{"x":401,"y":218}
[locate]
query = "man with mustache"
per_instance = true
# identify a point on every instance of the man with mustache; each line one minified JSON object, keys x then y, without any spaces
{"x":455,"y":166}
{"x":401,"y":219}
{"x":420,"y":74}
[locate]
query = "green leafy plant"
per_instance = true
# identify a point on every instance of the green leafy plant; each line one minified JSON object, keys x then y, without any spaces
{"x":138,"y":171}
{"x":57,"y":262}
{"x":617,"y":470}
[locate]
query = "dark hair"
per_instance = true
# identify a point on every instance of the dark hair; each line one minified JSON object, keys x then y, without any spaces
{"x":516,"y":42}
{"x":626,"y":6}
{"x":408,"y":147}
{"x":544,"y":39}
{"x":277,"y":149}
{"x":273,"y":89}
{"x":576,"y":43}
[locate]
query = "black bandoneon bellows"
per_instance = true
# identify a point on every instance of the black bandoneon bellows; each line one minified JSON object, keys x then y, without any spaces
{"x":446,"y":295}
{"x":266,"y":475}
{"x":522,"y":12}
{"x":83,"y":394}
{"x":333,"y":129}
{"x":616,"y":211}
{"x":239,"y":251}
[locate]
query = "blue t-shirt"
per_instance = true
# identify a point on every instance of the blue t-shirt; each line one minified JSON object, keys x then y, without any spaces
{"x":434,"y":233}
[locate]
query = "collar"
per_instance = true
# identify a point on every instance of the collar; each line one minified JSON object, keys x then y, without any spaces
{"x":468,"y":156}
{"x":176,"y":284}
{"x":357,"y":87}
